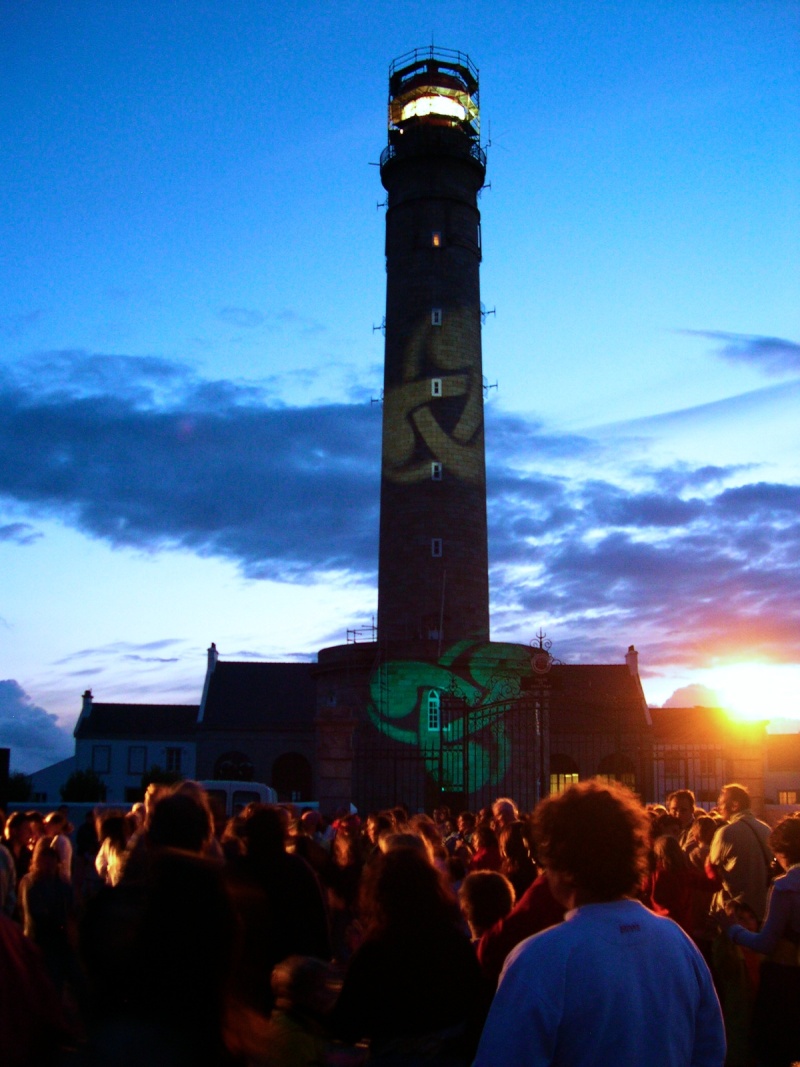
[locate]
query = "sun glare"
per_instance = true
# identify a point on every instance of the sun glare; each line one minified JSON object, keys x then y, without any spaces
{"x":757,"y":691}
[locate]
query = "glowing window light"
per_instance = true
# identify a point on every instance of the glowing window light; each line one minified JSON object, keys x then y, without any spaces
{"x":559,"y":783}
{"x":433,"y":105}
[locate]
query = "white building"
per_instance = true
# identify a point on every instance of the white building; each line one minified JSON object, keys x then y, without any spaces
{"x":122,"y":741}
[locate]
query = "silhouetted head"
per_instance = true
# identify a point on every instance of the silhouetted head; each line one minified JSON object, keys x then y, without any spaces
{"x":264,"y":829}
{"x":178,"y":821}
{"x":593,"y":840}
{"x":733,"y":798}
{"x":402,"y":888}
{"x":785,"y":840}
{"x":485,"y":898}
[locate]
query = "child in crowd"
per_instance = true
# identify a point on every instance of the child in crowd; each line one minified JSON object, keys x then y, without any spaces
{"x":485,"y":897}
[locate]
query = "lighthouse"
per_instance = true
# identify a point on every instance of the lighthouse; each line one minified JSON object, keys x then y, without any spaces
{"x":433,"y":585}
{"x":434,"y":711}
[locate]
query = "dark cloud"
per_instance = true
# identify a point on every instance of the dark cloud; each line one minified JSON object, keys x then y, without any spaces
{"x":240,"y":654}
{"x":125,"y":650}
{"x":680,"y":478}
{"x":68,"y":375}
{"x":151,"y":659}
{"x":687,"y":572}
{"x":684,"y":561}
{"x":143,"y":453}
{"x":245,"y":317}
{"x":773,"y":355}
{"x":32,"y":734}
{"x":526,"y":441}
{"x":21,"y":533}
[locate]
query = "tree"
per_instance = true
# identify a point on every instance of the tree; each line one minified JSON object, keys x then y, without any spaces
{"x":83,"y":787}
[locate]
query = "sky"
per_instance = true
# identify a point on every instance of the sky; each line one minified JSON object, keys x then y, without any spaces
{"x":191,"y":276}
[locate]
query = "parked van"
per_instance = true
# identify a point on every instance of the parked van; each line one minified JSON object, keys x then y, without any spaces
{"x":237,"y":795}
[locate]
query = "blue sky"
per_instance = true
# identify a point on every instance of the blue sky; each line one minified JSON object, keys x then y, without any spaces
{"x":192,"y":267}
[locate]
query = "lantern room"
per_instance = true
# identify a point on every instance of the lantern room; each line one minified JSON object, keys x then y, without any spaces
{"x":433,"y":87}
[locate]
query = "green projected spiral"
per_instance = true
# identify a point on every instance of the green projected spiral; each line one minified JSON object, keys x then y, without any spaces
{"x":477,"y":684}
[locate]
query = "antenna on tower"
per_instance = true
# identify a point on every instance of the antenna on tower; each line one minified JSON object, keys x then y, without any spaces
{"x":487,"y":386}
{"x":382,"y":327}
{"x":484,"y":313}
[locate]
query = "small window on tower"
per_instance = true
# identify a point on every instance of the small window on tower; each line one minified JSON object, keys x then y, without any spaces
{"x":436,"y":547}
{"x":436,"y":386}
{"x":436,"y":472}
{"x":436,"y":239}
{"x":436,"y":316}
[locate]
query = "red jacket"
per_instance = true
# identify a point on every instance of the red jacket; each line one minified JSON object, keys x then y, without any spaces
{"x":535,"y":910}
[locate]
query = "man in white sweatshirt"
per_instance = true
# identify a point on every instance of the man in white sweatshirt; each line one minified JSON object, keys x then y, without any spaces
{"x":613,"y":984}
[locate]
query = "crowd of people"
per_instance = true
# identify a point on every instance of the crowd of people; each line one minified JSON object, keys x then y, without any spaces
{"x":593,"y":931}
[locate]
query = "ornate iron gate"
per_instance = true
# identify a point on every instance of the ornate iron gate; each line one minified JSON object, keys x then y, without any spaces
{"x":476,"y":755}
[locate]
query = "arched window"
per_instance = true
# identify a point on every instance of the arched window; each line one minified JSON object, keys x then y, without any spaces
{"x":233,"y":767}
{"x":434,"y":705}
{"x":617,"y":768}
{"x":563,"y":773}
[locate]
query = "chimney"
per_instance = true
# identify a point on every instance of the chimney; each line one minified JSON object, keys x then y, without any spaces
{"x":86,"y":706}
{"x":213,"y":656}
{"x":632,"y":660}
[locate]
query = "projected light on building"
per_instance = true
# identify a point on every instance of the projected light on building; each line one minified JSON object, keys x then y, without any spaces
{"x":472,"y":687}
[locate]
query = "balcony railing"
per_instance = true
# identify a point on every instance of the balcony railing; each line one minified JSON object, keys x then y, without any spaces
{"x":449,"y":147}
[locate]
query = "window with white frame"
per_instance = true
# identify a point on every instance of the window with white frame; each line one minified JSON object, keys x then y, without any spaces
{"x":174,"y":759}
{"x":434,"y":711}
{"x":436,"y":316}
{"x":436,"y":386}
{"x":436,"y":471}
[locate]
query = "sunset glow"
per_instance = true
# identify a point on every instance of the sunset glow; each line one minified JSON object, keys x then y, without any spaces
{"x":192,"y":317}
{"x":756,"y":691}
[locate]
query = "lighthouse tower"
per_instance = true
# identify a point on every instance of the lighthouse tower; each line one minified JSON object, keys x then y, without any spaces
{"x":433,"y":586}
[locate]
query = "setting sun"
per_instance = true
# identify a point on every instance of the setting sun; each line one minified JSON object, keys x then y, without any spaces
{"x":756,"y":691}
